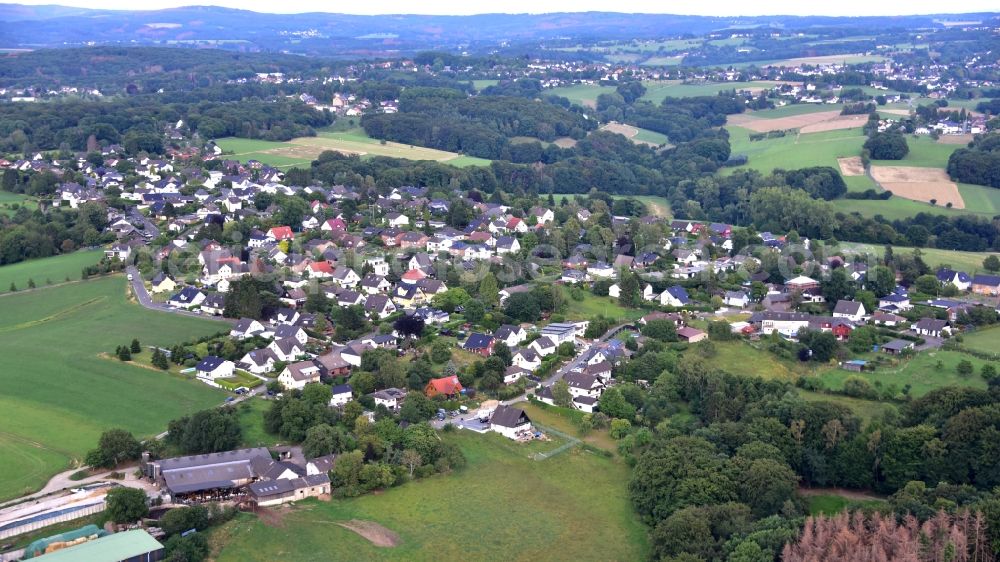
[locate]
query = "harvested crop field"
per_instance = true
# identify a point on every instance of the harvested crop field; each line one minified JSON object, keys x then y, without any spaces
{"x":955,"y":139}
{"x":806,"y":123}
{"x":565,"y":142}
{"x":919,"y":184}
{"x":851,"y":166}
{"x":635,"y":134}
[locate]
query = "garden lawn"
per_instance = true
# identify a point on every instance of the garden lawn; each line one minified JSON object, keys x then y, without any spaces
{"x":593,"y":305}
{"x":502,"y":506}
{"x":920,"y":372}
{"x":251,"y":413}
{"x":55,"y":268}
{"x":8,"y":200}
{"x":59,"y":394}
{"x":564,"y":420}
{"x":987,"y":340}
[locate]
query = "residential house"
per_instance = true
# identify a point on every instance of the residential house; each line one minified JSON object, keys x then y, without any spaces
{"x":526,"y":358}
{"x":162,"y":283}
{"x":582,"y":384}
{"x":959,"y":279}
{"x":391,"y":398}
{"x":931,"y":327}
{"x":560,"y":332}
{"x":246,"y":328}
{"x":342,"y":394}
{"x":298,"y":375}
{"x":444,"y":386}
{"x":601,"y":270}
{"x":851,"y":310}
{"x":510,"y":335}
{"x":280,"y":233}
{"x":258,"y":361}
{"x":286,"y":349}
{"x":674,"y":296}
{"x":188,"y":297}
{"x":284,"y":331}
{"x":373,"y":284}
{"x":213,"y":367}
{"x":510,"y":422}
{"x":397,"y":220}
{"x":514,"y":374}
{"x":214,"y":304}
{"x":544,"y":346}
{"x":894,"y":302}
{"x":379,"y":305}
{"x":736,"y":298}
{"x":479,"y":343}
{"x":986,"y":285}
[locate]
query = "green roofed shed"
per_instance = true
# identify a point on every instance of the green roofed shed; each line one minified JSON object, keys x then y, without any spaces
{"x":127,"y":546}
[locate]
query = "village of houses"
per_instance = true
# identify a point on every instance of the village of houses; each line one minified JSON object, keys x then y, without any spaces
{"x":395,"y":271}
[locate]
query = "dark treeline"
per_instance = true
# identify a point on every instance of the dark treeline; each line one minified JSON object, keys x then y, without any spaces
{"x":137,"y":123}
{"x":146,"y":69}
{"x":482,"y":126}
{"x":32,"y":234}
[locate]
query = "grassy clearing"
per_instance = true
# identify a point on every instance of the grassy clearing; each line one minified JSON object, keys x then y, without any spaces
{"x":832,"y":504}
{"x":656,"y":91}
{"x":867,"y":410}
{"x":252,"y":423}
{"x":655,"y":205}
{"x":966,"y":261}
{"x":983,"y":340}
{"x":482,"y":84}
{"x":59,"y":394}
{"x":582,"y":94}
{"x":502,"y":506}
{"x":651,"y":137}
{"x":8,"y":202}
{"x":56,"y":269}
{"x":921,"y":373}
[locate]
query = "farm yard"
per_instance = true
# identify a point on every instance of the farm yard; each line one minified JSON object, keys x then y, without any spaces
{"x":59,"y":394}
{"x":502,"y":506}
{"x":302,"y":151}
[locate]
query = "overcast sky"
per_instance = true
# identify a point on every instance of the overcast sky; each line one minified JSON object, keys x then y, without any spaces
{"x":453,"y":7}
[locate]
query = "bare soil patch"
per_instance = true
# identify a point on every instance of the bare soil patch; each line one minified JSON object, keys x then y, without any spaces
{"x":835,"y":124}
{"x":851,"y":166}
{"x":274,"y":516}
{"x":565,"y":142}
{"x":955,"y":139}
{"x":761,"y":125}
{"x":375,"y":533}
{"x":895,"y":111}
{"x":919,"y":184}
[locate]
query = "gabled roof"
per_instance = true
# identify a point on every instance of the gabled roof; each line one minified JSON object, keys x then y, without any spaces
{"x":210,"y":363}
{"x":445,"y":385}
{"x":847,"y":307}
{"x":478,"y":341}
{"x":509,"y":416}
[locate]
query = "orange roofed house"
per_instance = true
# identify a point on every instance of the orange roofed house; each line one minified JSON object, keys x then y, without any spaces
{"x":444,"y":386}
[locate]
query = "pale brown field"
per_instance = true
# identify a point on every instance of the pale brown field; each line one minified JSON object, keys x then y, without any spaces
{"x":955,"y":139}
{"x":800,"y":122}
{"x":919,"y":184}
{"x":851,"y":166}
{"x":836,"y":123}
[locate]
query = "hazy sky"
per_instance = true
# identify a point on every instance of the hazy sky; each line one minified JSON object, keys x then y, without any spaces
{"x":453,"y":7}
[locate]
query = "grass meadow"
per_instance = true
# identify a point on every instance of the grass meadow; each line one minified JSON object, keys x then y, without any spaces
{"x":60,"y":394}
{"x":933,"y":257}
{"x":55,"y":269}
{"x":794,"y":151}
{"x":9,"y":200}
{"x":983,"y":340}
{"x":502,"y":506}
{"x":921,"y":372}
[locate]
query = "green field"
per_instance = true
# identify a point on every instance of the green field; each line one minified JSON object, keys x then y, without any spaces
{"x":925,"y":152}
{"x":303,"y":150}
{"x":655,"y":205}
{"x":59,"y":394}
{"x":56,"y":269}
{"x":252,"y":423}
{"x":794,"y":151}
{"x":794,"y":109}
{"x":920,"y":372}
{"x":582,"y":94}
{"x":983,"y":340}
{"x":966,"y":261}
{"x":657,"y":91}
{"x":651,"y":137}
{"x":502,"y":506}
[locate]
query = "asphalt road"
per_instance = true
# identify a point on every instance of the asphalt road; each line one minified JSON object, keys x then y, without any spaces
{"x":142,"y":295}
